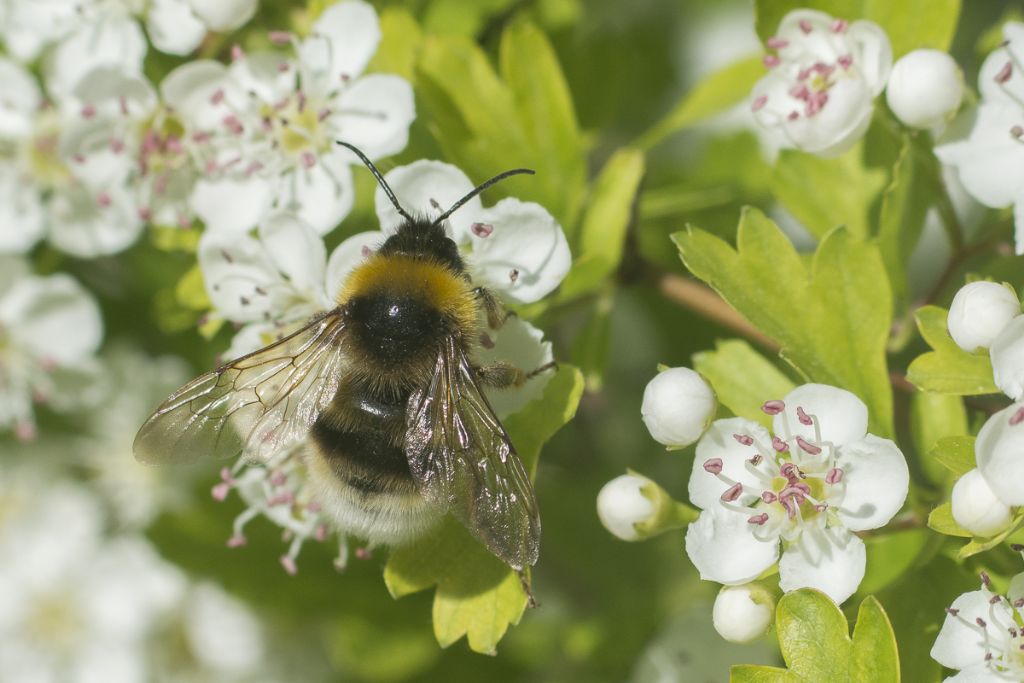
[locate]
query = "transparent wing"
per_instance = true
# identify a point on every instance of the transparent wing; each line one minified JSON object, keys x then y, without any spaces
{"x":462,"y":458}
{"x":258,"y":404}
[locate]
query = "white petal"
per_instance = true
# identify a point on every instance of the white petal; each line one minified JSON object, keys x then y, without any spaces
{"x":722,"y":547}
{"x":1007,"y":354}
{"x":421,"y":185}
{"x":261,"y":73}
{"x":522,"y":345}
{"x":831,"y":560}
{"x":224,"y":15}
{"x":250,"y":338}
{"x":820,"y":42}
{"x":190,"y":90}
{"x":81,"y":226}
{"x":925,"y":88}
{"x":30,"y":25}
{"x":19,"y":99}
{"x":872,"y":53}
{"x":742,"y":613}
{"x":621,"y":505}
{"x":238,"y":275}
{"x":322,"y":194}
{"x":839,"y":415}
{"x":231,"y":205}
{"x":978,"y":673}
{"x":346,"y":256}
{"x":876,"y":479}
{"x":1012,"y":89}
{"x":91,"y":159}
{"x":998,"y":450}
{"x":979,"y":312}
{"x":374,"y":114}
{"x":173,"y":27}
{"x":526,"y":255}
{"x":960,"y":643}
{"x":53,"y":318}
{"x":976,"y":507}
{"x":296,"y":251}
{"x":343,"y":40}
{"x":111,"y":41}
{"x":987,"y":160}
{"x":21,"y":213}
{"x":719,"y":442}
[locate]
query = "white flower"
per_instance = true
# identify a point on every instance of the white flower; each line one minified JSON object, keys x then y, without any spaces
{"x":178,"y":26}
{"x":621,"y":505}
{"x":50,"y":329}
{"x":76,"y":607}
{"x":1007,"y":354}
{"x":925,"y":88}
{"x":808,"y":488}
{"x":997,"y":452}
{"x":678,"y":406}
{"x":223,"y":634}
{"x":982,"y":637}
{"x":743,"y":613}
{"x":825,"y":74}
{"x":979,"y":312}
{"x":976,"y":507}
{"x":992,"y":152}
{"x":271,"y":122}
{"x":515,"y":248}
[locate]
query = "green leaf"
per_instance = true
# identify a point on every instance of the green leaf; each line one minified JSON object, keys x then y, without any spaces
{"x":905,"y":204}
{"x":190,"y":292}
{"x":875,"y":656}
{"x":605,"y":220}
{"x":824,"y":193}
{"x":815,"y":642}
{"x":477,"y":595}
{"x":910,"y":24}
{"x":980,"y":544}
{"x":592,"y":345}
{"x":948,"y":369}
{"x":955,"y":453}
{"x":941,"y":519}
{"x":716,"y":93}
{"x":742,"y":378}
{"x":530,"y":67}
{"x":832,"y":323}
{"x":401,"y":38}
{"x":934,"y":417}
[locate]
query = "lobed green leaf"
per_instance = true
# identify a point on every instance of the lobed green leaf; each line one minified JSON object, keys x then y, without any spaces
{"x":948,"y":369}
{"x":742,"y":378}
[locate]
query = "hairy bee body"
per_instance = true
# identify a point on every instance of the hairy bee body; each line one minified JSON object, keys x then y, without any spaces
{"x":400,"y":304}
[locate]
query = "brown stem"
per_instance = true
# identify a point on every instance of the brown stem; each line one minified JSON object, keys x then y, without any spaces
{"x":703,"y":300}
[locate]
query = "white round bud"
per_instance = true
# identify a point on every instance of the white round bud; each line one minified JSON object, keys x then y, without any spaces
{"x":621,"y":505}
{"x":678,"y":406}
{"x":979,"y":312}
{"x":925,"y":88}
{"x":742,"y":613}
{"x":976,"y":507}
{"x":1007,"y":354}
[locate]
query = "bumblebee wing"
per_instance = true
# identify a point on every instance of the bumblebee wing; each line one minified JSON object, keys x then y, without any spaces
{"x":258,"y":404}
{"x":463,"y":460}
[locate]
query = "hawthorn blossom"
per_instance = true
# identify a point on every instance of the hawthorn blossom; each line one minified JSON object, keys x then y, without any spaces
{"x":50,"y":330}
{"x":795,"y":498}
{"x":824,"y":76}
{"x":271,"y":122}
{"x":989,"y":155}
{"x":982,"y":636}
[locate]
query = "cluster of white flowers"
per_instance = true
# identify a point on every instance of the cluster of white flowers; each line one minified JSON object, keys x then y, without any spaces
{"x":271,"y":282}
{"x":825,"y":73}
{"x":986,"y":317}
{"x":988,"y":157}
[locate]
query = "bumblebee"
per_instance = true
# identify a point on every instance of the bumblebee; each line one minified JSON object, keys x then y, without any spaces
{"x":382,"y":398}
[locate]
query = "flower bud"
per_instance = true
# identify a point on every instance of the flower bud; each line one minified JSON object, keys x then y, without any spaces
{"x":976,"y":507}
{"x":678,"y":406}
{"x":632,"y":507}
{"x":979,"y":312}
{"x":743,"y":613}
{"x":997,"y":451}
{"x":925,"y":88}
{"x":1007,"y":354}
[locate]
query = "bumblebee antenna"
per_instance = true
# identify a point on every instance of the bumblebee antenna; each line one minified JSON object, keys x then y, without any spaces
{"x":480,"y":188}
{"x":380,"y":180}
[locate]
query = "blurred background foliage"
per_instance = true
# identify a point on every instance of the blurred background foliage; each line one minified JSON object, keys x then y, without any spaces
{"x":601,"y":97}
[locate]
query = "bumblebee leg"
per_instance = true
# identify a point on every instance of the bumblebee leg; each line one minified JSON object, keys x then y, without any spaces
{"x":531,"y":601}
{"x":496,"y":313}
{"x":501,"y":375}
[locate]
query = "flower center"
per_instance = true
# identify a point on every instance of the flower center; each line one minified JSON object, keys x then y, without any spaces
{"x":42,"y":153}
{"x":297,"y":126}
